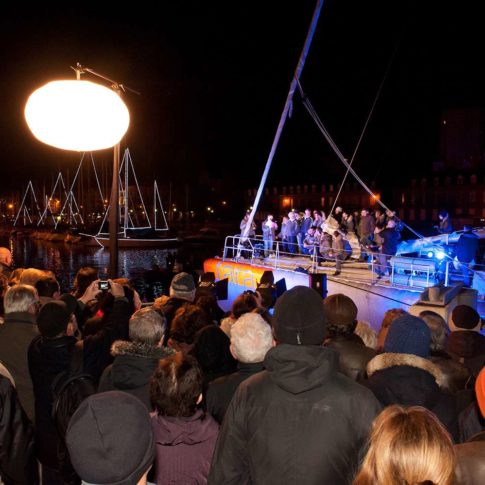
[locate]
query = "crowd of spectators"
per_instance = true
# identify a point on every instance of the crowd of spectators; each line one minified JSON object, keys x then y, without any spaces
{"x":187,"y":394}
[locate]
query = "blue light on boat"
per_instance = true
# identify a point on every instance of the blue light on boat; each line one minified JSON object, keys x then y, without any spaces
{"x":440,"y":255}
{"x":430,"y":254}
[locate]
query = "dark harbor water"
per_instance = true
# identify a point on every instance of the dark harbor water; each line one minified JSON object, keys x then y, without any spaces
{"x":147,"y":269}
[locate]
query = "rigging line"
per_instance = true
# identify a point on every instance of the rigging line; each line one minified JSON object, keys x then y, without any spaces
{"x":284,"y":114}
{"x":376,"y":98}
{"x":327,"y":136}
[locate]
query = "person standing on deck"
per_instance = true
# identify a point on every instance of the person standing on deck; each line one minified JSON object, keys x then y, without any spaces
{"x":367,"y":225}
{"x":252,"y":230}
{"x":466,"y":251}
{"x":388,"y":246}
{"x":338,"y":247}
{"x":291,"y":233}
{"x":269,"y":227}
{"x":445,"y":226}
{"x":305,"y":225}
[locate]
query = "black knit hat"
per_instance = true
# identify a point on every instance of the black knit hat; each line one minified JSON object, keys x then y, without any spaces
{"x":110,"y":439}
{"x":464,"y":317}
{"x":299,"y":317}
{"x":53,"y":318}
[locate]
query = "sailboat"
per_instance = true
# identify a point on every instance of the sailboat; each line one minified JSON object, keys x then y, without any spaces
{"x":410,"y":278}
{"x":136,"y":229}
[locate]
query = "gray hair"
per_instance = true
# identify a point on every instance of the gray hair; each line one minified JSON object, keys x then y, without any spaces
{"x":19,"y":298}
{"x":367,"y":334}
{"x":439,"y":331}
{"x":251,"y":338}
{"x":147,"y":326}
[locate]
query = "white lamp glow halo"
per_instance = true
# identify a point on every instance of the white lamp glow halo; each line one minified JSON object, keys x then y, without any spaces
{"x":77,"y":115}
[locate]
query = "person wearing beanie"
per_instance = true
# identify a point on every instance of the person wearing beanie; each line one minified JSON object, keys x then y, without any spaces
{"x":299,"y":420}
{"x":404,"y":375}
{"x":465,"y":343}
{"x":110,"y":440}
{"x":182,"y":291}
{"x":49,"y":354}
{"x":341,"y":314}
{"x":470,"y":467}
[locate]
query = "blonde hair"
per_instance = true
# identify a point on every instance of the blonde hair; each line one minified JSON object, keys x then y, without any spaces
{"x":30,"y":276}
{"x":407,"y":446}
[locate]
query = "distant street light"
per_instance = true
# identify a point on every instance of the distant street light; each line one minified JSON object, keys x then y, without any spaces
{"x":83,"y":116}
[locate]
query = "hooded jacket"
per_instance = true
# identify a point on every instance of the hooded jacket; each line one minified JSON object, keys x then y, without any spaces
{"x":299,"y":421}
{"x":132,"y":368}
{"x":184,"y":447}
{"x":410,"y":380}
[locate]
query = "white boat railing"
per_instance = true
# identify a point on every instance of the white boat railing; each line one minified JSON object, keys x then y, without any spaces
{"x":379,"y":269}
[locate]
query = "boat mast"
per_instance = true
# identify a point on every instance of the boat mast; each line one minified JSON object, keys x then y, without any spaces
{"x":286,"y":110}
{"x":126,"y":213}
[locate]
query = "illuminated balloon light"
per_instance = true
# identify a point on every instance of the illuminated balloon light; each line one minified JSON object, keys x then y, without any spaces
{"x":77,"y":115}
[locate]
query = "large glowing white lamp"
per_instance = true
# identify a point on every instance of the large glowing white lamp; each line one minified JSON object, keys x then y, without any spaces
{"x":77,"y":115}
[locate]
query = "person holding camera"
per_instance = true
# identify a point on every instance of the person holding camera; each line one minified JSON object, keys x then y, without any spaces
{"x":117,"y":312}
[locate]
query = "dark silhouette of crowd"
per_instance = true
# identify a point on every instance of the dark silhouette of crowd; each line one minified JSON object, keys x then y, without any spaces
{"x":183,"y":393}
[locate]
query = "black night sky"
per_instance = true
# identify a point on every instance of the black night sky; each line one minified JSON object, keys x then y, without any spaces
{"x":214,"y":78}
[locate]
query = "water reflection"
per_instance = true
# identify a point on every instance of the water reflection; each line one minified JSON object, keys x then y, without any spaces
{"x":146,"y":268}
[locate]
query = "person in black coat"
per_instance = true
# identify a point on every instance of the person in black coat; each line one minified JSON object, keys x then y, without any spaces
{"x":341,"y":314}
{"x":97,"y":346}
{"x":49,"y":354}
{"x":251,"y":338}
{"x":300,"y":420}
{"x":16,"y":333}
{"x":466,"y":251}
{"x":136,"y":360}
{"x":18,"y":465}
{"x":182,"y":291}
{"x":389,"y":241}
{"x":404,"y":375}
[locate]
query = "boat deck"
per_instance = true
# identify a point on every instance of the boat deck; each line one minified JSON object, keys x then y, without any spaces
{"x":406,"y":286}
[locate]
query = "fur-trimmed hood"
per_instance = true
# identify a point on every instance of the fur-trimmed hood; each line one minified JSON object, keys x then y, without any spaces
{"x":136,"y":349}
{"x":132,"y":368}
{"x":387,"y":360}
